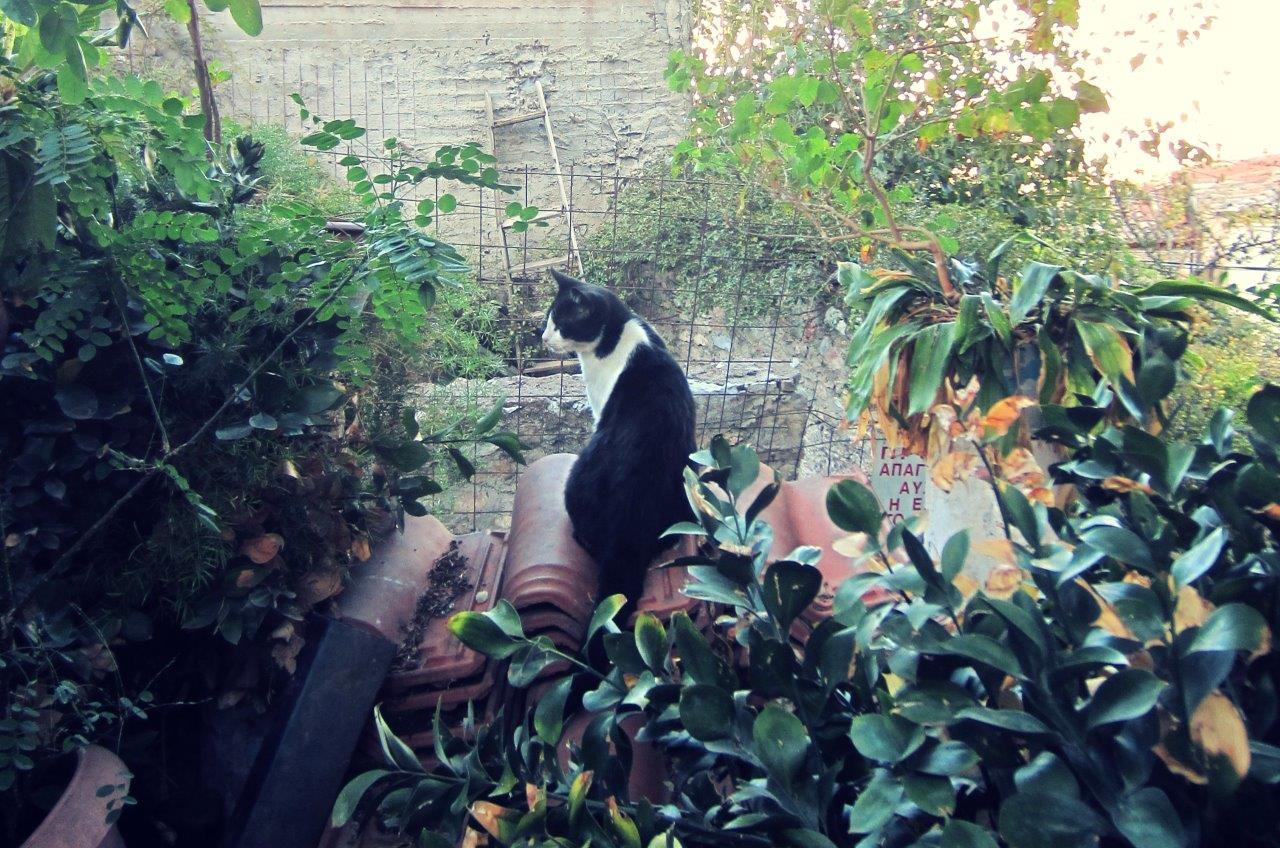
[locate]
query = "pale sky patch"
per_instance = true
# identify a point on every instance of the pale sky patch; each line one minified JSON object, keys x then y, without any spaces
{"x":1219,"y":88}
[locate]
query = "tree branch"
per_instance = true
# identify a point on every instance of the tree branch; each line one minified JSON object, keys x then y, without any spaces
{"x":208,"y":105}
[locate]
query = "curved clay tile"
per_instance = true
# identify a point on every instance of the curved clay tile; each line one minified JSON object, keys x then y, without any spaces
{"x":384,"y":594}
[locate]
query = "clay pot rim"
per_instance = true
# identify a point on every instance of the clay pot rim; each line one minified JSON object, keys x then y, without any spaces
{"x":79,"y":818}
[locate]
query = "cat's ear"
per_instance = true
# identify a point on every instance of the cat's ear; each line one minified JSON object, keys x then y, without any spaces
{"x":570,"y":287}
{"x":564,"y":281}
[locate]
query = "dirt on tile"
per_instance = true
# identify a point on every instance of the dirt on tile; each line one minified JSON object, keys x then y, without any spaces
{"x":445,"y":583}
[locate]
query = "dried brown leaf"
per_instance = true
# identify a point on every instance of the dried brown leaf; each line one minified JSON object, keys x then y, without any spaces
{"x":262,"y":548}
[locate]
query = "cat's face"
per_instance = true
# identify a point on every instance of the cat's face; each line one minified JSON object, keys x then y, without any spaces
{"x":575,"y":321}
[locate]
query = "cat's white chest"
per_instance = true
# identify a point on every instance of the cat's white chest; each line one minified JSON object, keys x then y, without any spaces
{"x":601,"y":373}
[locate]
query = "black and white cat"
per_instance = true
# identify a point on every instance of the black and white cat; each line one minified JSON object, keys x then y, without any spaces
{"x":626,"y":486}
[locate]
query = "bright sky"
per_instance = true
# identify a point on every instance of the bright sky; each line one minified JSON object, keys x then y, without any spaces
{"x":1220,"y":88}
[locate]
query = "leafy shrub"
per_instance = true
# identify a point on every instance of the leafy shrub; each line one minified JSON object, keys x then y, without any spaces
{"x":1113,"y":682}
{"x":721,"y":241}
{"x":195,"y":447}
{"x":1227,"y":361}
{"x":1067,"y":332}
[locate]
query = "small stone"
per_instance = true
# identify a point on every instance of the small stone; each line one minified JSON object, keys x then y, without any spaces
{"x":482,"y":596}
{"x":723,"y":342}
{"x":833,"y":318}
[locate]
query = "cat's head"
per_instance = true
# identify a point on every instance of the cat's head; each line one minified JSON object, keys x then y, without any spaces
{"x":581,"y":316}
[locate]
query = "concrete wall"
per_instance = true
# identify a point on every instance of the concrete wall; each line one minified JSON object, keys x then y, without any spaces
{"x":419,"y":70}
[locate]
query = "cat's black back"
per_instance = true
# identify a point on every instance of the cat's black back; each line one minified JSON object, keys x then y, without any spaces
{"x":626,"y":486}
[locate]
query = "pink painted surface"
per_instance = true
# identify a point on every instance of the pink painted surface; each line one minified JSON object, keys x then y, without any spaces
{"x":79,"y":818}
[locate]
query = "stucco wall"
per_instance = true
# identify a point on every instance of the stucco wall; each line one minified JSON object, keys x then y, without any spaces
{"x":419,"y":70}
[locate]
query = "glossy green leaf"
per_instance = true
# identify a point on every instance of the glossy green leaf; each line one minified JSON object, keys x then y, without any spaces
{"x":706,"y":711}
{"x":603,"y":615}
{"x":548,"y":716}
{"x":876,"y":803}
{"x":853,"y":507}
{"x":1039,"y":820}
{"x":1231,"y":627}
{"x":962,"y":834}
{"x":651,"y":640}
{"x":981,"y":649}
{"x":480,"y":633}
{"x":20,"y":11}
{"x":1148,"y":819}
{"x":395,"y":751}
{"x":1023,"y":724}
{"x":781,"y":742}
{"x":1263,"y":413}
{"x":787,"y":589}
{"x":698,"y":662}
{"x":930,"y":356}
{"x":934,"y":794}
{"x":888,"y":739}
{"x":745,"y":466}
{"x":1199,"y":558}
{"x":350,"y":796}
{"x":1047,"y":774}
{"x":932,"y":702}
{"x":1030,"y":290}
{"x":950,"y":758}
{"x":312,"y":400}
{"x":1204,"y":292}
{"x":1125,"y":695}
{"x":247,"y":14}
{"x":1121,"y":544}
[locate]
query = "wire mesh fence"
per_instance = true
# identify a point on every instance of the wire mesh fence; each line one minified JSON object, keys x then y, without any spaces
{"x":741,"y":298}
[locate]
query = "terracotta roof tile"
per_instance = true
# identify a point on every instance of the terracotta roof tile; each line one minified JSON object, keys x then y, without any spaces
{"x":384,"y":594}
{"x":540,"y":570}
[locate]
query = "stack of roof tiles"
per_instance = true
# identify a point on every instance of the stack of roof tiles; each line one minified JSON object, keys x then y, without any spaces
{"x":540,"y":570}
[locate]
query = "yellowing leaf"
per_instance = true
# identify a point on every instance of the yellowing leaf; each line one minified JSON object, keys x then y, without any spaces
{"x":1039,"y":494}
{"x":489,"y":816}
{"x":965,"y":396}
{"x":1218,"y":746}
{"x":953,"y":468}
{"x":1000,"y":550}
{"x":967,"y":586}
{"x":853,"y":546}
{"x":285,"y":654}
{"x":1125,"y":485}
{"x":262,"y":548}
{"x":1003,"y":580}
{"x":1108,"y":619}
{"x":316,"y":586}
{"x":360,"y":549}
{"x":1004,"y":414}
{"x":1191,"y":609}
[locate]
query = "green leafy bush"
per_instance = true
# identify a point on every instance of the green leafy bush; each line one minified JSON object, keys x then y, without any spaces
{"x":1066,"y":332}
{"x":1112,"y":683}
{"x":196,"y":448}
{"x":718,"y":241}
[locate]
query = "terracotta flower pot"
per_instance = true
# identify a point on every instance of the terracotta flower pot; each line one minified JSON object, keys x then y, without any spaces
{"x":80,"y":818}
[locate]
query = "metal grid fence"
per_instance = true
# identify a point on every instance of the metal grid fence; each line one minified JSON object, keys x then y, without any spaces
{"x":739,"y":296}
